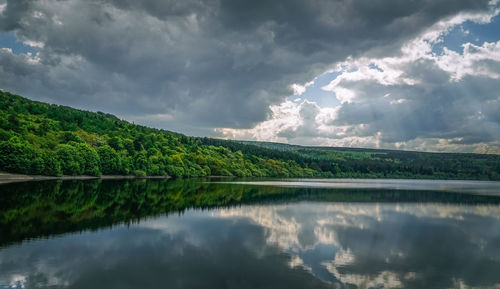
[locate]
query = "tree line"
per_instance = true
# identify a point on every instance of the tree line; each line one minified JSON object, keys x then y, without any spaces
{"x":42,"y":139}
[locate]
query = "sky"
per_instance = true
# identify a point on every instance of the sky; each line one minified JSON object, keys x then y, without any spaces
{"x":413,"y":75}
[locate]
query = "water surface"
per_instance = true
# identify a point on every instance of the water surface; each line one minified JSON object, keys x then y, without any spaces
{"x":456,"y":186}
{"x":199,"y":234}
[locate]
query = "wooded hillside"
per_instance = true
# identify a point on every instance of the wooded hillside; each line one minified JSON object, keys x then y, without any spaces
{"x":42,"y":139}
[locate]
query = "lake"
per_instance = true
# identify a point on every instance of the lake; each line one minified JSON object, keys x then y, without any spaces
{"x":231,"y":233}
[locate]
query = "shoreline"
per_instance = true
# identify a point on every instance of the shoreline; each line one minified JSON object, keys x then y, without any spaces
{"x":10,"y":178}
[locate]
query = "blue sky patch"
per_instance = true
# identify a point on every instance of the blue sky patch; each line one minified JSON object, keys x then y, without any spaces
{"x":9,"y":40}
{"x":472,"y":32}
{"x":316,"y":94}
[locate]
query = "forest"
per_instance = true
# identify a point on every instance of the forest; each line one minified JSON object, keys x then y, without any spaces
{"x":45,"y":139}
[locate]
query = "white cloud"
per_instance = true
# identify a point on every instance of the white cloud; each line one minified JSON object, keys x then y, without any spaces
{"x":31,"y":43}
{"x":17,"y":281}
{"x":475,"y":60}
{"x":375,"y":92}
{"x":299,"y":89}
{"x":285,"y":117}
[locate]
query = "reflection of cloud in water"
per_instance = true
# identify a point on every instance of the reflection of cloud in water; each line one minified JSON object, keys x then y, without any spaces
{"x":394,"y":245}
{"x":385,"y":278}
{"x":457,"y":186}
{"x":363,"y":245}
{"x":226,"y":253}
{"x":281,"y":229}
{"x":345,"y":257}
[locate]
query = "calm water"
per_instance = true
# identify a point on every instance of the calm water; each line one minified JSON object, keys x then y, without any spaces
{"x":201,"y":234}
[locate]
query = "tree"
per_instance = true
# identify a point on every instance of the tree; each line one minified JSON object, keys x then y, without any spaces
{"x":90,"y":159}
{"x":110,"y":160}
{"x":116,"y":143}
{"x":17,"y":156}
{"x":71,"y":161}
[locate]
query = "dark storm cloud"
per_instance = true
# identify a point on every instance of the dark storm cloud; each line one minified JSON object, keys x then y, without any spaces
{"x":14,"y":12}
{"x":202,"y":64}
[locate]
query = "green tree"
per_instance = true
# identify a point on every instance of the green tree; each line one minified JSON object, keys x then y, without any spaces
{"x":70,"y":159}
{"x":17,"y":156}
{"x":116,"y":143}
{"x":89,"y":159}
{"x":110,"y":160}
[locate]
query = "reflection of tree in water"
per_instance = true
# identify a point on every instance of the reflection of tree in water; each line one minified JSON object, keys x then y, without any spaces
{"x":36,"y":209}
{"x":354,"y":238}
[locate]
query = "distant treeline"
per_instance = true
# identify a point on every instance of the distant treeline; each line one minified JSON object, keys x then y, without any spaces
{"x":42,"y":139}
{"x":357,"y":162}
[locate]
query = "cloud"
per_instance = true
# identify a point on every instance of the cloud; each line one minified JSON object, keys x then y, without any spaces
{"x":206,"y":64}
{"x":435,"y":96}
{"x":417,"y":99}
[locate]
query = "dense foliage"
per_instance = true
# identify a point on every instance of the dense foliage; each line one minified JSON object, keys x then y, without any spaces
{"x":43,"y":139}
{"x":374,"y":163}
